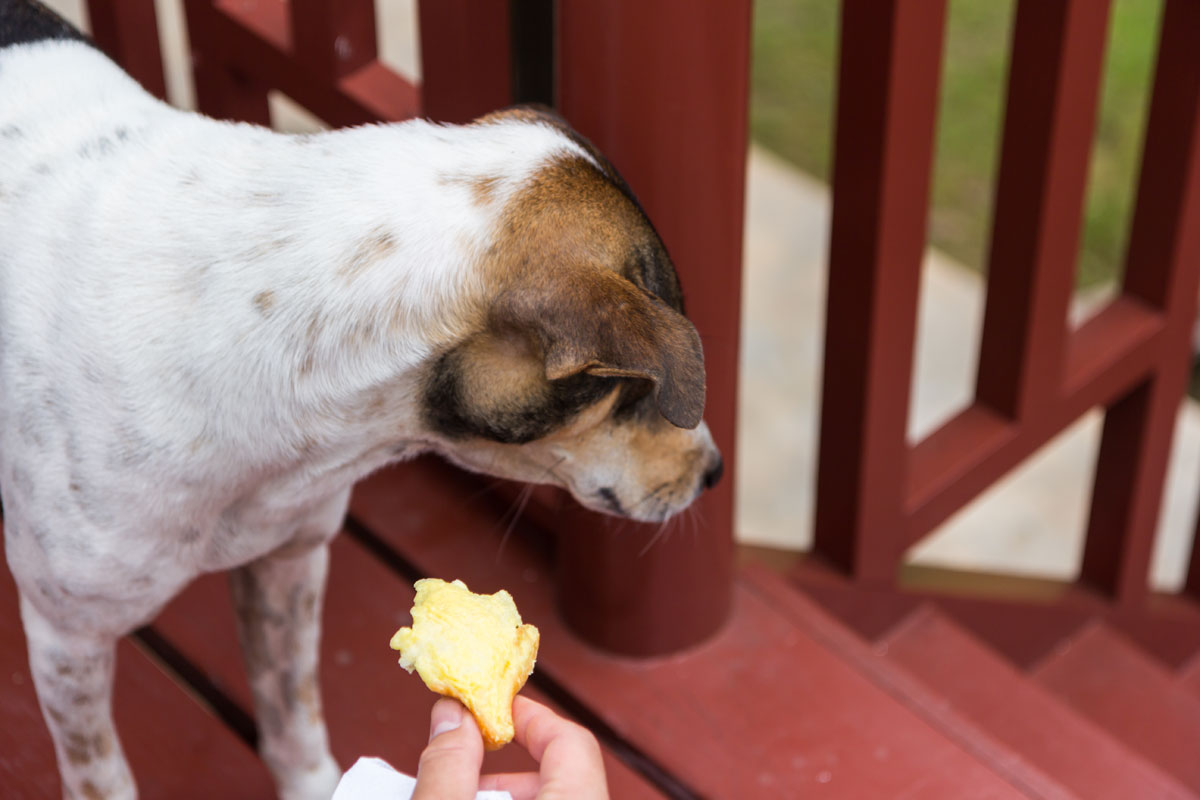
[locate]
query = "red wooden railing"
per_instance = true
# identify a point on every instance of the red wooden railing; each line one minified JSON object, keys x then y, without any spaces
{"x":878,"y":493}
{"x":665,"y":101}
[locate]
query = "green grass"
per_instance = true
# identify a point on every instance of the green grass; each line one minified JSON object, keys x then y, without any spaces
{"x":792,"y":91}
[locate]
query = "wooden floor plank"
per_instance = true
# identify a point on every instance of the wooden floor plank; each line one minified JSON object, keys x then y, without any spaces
{"x":1127,"y":692}
{"x":761,"y":710}
{"x":1041,"y":729}
{"x":373,"y":707}
{"x":1189,"y":676}
{"x":175,"y":748}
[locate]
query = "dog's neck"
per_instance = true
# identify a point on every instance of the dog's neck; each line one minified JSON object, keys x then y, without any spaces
{"x":336,"y":263}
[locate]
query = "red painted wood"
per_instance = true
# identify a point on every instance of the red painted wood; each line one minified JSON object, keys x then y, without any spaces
{"x":1036,"y":725}
{"x":666,"y":102}
{"x":1167,"y":627}
{"x":1023,"y":629}
{"x":1163,"y":271}
{"x":972,"y":450}
{"x":762,"y":708}
{"x":1192,"y":582}
{"x":372,"y":706}
{"x":1189,"y":676}
{"x":1057,"y":50}
{"x":334,"y":37}
{"x":1113,"y":348}
{"x":871,"y":612}
{"x":872,"y":662}
{"x":174,"y":747}
{"x":242,"y":51}
{"x":465,"y":63}
{"x":1104,"y":677}
{"x":127,"y":30}
{"x":887,"y":101}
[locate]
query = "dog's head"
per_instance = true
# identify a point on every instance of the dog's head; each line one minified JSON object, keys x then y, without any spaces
{"x":583,"y":371}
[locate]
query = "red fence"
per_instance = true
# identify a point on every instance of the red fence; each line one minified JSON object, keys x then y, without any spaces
{"x":670,"y":112}
{"x":878,"y":493}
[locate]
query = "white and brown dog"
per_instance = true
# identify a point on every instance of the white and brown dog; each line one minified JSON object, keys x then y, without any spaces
{"x":209,"y":331}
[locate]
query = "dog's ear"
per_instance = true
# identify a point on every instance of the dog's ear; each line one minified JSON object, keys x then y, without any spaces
{"x":601,"y":324}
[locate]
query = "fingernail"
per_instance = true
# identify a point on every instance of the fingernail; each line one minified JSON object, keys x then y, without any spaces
{"x":447,"y":716}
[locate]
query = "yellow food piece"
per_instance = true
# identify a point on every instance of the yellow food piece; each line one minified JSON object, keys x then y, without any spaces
{"x":471,"y":647}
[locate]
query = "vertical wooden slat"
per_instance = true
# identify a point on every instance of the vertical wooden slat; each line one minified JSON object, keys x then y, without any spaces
{"x":219,"y":92}
{"x":661,"y":88}
{"x":1162,"y":271}
{"x":333,"y":37}
{"x":1192,"y":581}
{"x":887,"y":102}
{"x":1058,"y":47}
{"x":127,"y":30}
{"x":465,"y":63}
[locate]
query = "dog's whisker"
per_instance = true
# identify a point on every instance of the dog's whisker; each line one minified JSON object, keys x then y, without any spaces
{"x":652,"y":494}
{"x":654,"y":539}
{"x":519,"y":506}
{"x":490,"y":487}
{"x":513,"y":515}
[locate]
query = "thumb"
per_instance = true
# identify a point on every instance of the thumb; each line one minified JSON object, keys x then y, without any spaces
{"x":449,"y":766}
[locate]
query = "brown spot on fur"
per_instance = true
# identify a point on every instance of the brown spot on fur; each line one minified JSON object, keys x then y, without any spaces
{"x":308,"y":696}
{"x":82,"y":748}
{"x":483,"y":187}
{"x":264,"y":301}
{"x":308,"y":348}
{"x":369,"y":251}
{"x":90,"y":792}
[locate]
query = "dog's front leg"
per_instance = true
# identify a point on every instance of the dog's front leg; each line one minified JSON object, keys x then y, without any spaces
{"x":73,"y":674}
{"x":278,"y":601}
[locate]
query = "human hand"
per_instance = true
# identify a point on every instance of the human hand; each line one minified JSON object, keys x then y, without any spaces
{"x":568,"y":755}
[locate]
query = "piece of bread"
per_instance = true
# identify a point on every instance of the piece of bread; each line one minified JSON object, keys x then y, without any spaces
{"x":471,"y":647}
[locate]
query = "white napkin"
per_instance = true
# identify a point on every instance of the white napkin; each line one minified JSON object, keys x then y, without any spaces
{"x":375,"y":779}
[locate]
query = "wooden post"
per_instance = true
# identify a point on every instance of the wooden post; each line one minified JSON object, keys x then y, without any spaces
{"x":465,"y":64}
{"x":127,"y":30}
{"x":887,"y":102}
{"x":661,"y":89}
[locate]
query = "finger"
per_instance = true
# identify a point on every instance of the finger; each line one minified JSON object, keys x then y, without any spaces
{"x":521,"y":785}
{"x":449,"y":766}
{"x":569,"y":755}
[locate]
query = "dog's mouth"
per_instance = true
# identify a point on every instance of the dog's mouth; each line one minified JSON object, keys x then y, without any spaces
{"x":657,"y":504}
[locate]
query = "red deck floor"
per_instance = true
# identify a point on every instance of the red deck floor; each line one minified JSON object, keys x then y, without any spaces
{"x":783,"y":702}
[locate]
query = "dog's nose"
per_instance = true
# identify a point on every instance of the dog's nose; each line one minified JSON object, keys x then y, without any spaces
{"x":714,"y":473}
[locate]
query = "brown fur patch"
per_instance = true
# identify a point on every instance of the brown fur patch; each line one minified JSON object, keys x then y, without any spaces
{"x":371,"y":250}
{"x":264,"y":301}
{"x":483,"y":187}
{"x":576,"y":263}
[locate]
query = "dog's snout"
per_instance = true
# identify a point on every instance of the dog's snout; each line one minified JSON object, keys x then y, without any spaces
{"x":714,"y":473}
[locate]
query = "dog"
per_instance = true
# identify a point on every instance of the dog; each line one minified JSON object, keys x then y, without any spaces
{"x":209,"y":331}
